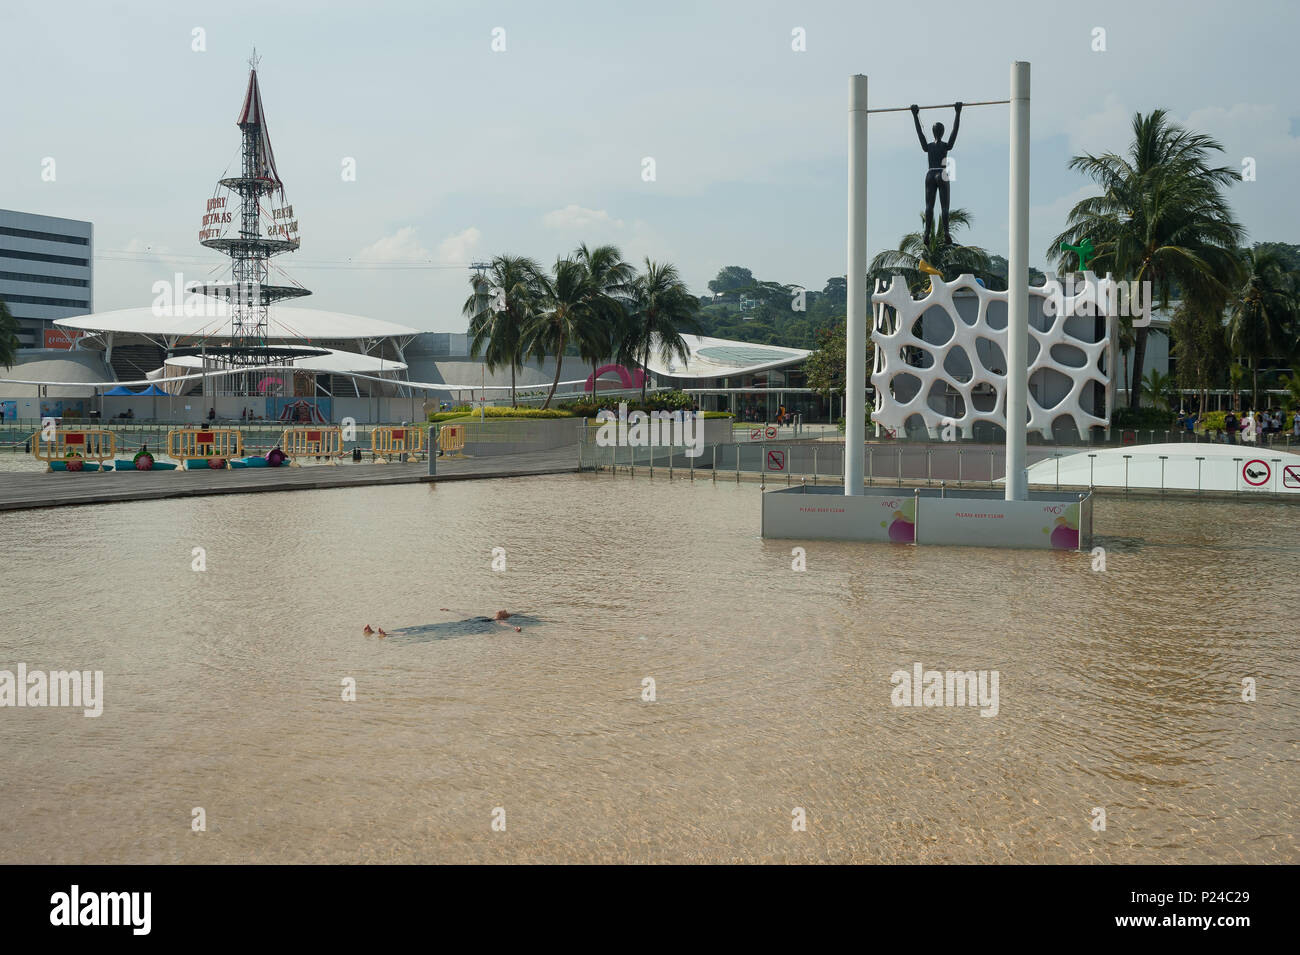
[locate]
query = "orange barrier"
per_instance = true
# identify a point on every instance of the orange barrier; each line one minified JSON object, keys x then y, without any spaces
{"x":308,"y":442}
{"x":86,"y":444}
{"x":387,"y":442}
{"x":205,"y":444}
{"x":451,"y":438}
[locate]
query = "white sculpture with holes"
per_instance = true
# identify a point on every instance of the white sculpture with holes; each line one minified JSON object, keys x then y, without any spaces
{"x":941,"y":360}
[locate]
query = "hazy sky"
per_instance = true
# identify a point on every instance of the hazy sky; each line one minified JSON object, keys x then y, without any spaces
{"x":462,"y":152}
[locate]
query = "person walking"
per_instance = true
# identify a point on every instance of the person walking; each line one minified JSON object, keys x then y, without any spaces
{"x":1230,"y":426}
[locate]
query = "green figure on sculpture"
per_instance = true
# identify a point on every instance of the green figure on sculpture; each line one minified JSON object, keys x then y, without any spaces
{"x":1083,"y":250}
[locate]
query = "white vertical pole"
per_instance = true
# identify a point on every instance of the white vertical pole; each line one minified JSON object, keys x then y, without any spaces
{"x":855,"y":352}
{"x":1017,"y":481}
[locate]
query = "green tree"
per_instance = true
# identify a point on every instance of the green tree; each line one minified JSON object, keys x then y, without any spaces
{"x":662,"y":307}
{"x":1197,"y":341}
{"x":731,"y":280}
{"x":564,"y":315}
{"x":8,"y":336}
{"x":1263,"y":317}
{"x":1159,"y":389}
{"x":837,"y":290}
{"x":502,"y":301}
{"x":827,"y":364}
{"x":999,"y":267}
{"x":950,"y":259}
{"x":609,"y":288}
{"x":1291,"y":383}
{"x":1161,"y":218}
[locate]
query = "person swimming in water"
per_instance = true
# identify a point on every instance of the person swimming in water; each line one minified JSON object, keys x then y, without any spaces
{"x":499,"y":615}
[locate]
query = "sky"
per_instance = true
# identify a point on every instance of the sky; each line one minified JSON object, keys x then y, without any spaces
{"x":462,"y":151}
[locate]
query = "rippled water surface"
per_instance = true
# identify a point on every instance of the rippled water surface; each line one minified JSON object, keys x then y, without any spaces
{"x":1119,"y":689}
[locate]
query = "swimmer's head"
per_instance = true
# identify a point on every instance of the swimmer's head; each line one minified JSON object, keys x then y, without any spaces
{"x":502,"y":615}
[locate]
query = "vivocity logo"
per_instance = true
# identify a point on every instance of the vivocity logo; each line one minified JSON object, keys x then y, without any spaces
{"x":657,"y":429}
{"x":1098,"y":297}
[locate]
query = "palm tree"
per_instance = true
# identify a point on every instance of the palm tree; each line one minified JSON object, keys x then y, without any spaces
{"x":564,"y":314}
{"x":8,"y":337}
{"x":1263,"y":317}
{"x":1291,"y":383}
{"x":661,"y":308}
{"x":951,"y":260}
{"x":500,"y":305}
{"x":1197,"y":340}
{"x":1158,"y":388}
{"x":609,"y":288}
{"x":1161,"y":218}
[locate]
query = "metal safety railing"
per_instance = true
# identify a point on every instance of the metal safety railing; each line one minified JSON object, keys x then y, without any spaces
{"x":216,"y":446}
{"x":73,"y":445}
{"x":389,"y":442}
{"x":312,"y":442}
{"x":451,"y":440}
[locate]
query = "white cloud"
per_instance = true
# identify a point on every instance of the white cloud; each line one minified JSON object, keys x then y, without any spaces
{"x":1107,"y":131}
{"x":575,"y":218}
{"x":1250,"y":129}
{"x":401,"y":246}
{"x":458,"y":249}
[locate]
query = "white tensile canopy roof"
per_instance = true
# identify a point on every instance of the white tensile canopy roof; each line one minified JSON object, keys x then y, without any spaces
{"x":336,"y":362}
{"x":721,"y":357}
{"x":283,"y":323}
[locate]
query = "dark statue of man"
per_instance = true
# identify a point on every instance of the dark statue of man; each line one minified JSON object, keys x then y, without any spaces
{"x":935,"y":181}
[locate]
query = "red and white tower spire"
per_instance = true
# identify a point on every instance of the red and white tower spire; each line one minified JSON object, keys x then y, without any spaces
{"x":251,"y":234}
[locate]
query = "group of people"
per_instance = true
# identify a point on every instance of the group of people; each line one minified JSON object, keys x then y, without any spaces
{"x":1258,"y":430}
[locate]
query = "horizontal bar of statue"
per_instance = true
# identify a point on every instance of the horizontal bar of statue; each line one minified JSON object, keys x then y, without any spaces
{"x":907,"y":109}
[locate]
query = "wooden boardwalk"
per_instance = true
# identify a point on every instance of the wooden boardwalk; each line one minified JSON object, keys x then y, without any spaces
{"x":25,"y":490}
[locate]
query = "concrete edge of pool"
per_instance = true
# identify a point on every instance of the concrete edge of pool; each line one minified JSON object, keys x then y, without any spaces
{"x":34,"y":490}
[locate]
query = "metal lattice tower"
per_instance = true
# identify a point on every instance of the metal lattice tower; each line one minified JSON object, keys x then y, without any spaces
{"x":250,"y":247}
